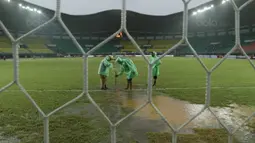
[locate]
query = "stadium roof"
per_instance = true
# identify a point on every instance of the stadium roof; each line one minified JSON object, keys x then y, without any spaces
{"x":149,"y":7}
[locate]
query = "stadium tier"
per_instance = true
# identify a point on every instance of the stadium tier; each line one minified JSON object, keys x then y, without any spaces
{"x":36,"y":45}
{"x":107,"y":49}
{"x":66,"y":46}
{"x":128,"y":45}
{"x":162,"y":45}
{"x":214,"y":23}
{"x":149,"y":45}
{"x":6,"y":47}
{"x":202,"y":45}
{"x":249,"y":48}
{"x":248,"y":43}
{"x":157,"y":50}
{"x":208,"y":45}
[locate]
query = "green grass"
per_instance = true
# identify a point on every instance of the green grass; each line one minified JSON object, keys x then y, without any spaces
{"x":19,"y":118}
{"x":200,"y":136}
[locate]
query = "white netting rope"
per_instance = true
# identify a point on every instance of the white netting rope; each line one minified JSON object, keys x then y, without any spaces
{"x":123,"y":28}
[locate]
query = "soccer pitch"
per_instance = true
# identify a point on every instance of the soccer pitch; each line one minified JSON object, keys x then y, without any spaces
{"x":53,"y":82}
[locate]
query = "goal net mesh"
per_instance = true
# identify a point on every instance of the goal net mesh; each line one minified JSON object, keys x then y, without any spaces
{"x":123,"y":28}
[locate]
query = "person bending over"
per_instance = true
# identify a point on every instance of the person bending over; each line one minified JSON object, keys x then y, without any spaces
{"x":127,"y":66}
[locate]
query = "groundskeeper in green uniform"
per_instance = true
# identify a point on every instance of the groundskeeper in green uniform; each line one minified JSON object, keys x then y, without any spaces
{"x":103,"y":70}
{"x":127,"y":66}
{"x":155,"y":67}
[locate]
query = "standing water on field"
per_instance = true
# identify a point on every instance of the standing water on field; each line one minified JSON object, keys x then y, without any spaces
{"x":176,"y":112}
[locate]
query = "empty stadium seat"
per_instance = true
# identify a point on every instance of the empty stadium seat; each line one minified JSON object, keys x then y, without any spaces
{"x":37,"y":45}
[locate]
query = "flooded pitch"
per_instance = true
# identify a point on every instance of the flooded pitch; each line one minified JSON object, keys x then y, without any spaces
{"x":175,"y":111}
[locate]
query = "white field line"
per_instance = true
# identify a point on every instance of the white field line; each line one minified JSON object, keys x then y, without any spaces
{"x":157,"y":89}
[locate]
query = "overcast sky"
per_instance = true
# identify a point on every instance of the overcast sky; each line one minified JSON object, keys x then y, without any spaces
{"x":150,"y":7}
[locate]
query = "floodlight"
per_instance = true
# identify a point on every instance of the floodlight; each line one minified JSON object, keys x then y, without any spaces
{"x":20,"y":5}
{"x":39,"y":11}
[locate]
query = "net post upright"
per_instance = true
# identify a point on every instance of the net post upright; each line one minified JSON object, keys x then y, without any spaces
{"x":174,"y":137}
{"x":230,"y":138}
{"x":113,"y":134}
{"x":185,"y":19}
{"x":123,"y":15}
{"x":58,"y":10}
{"x":15,"y":54}
{"x":208,"y":89}
{"x":237,"y":27}
{"x":85,"y":74}
{"x":46,"y":137}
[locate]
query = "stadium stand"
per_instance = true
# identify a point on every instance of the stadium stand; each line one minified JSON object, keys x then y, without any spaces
{"x":213,"y":22}
{"x":149,"y":45}
{"x":6,"y":47}
{"x":208,"y":45}
{"x":37,"y":45}
{"x":248,"y":43}
{"x":162,"y":45}
{"x":129,"y":47}
{"x":66,"y":46}
{"x":202,"y":45}
{"x":106,"y":49}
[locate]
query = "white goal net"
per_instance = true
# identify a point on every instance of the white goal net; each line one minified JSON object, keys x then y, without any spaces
{"x":123,"y":28}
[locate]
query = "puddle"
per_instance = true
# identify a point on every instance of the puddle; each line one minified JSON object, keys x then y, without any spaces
{"x":176,"y":112}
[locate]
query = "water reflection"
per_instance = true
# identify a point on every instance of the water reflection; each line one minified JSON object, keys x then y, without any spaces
{"x":176,"y":112}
